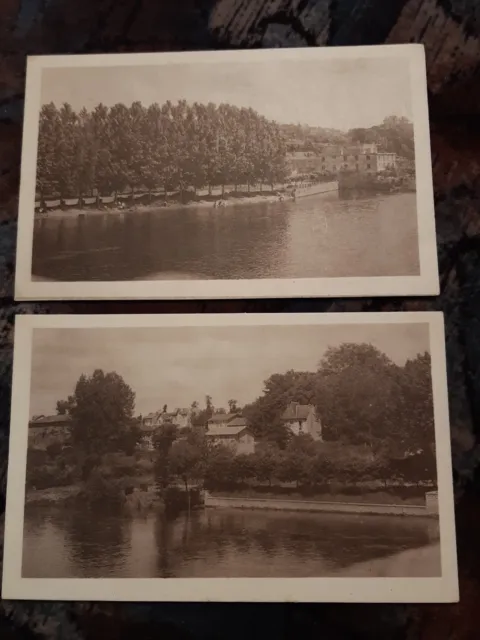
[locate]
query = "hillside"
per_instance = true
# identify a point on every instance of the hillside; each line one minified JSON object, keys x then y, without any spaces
{"x":394,"y":134}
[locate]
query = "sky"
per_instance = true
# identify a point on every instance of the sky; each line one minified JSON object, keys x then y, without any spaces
{"x":176,"y":366}
{"x":340,"y":94}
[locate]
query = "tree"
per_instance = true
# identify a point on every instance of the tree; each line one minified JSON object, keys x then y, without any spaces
{"x":219,"y":470}
{"x":265,"y":463}
{"x":209,"y":406}
{"x":357,"y":395}
{"x":47,"y":151}
{"x":64,"y":406}
{"x":185,"y":462}
{"x":102,"y":413}
{"x":232,"y":406}
{"x":163,"y":440}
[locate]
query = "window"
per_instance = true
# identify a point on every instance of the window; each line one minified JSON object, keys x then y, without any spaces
{"x":356,"y":157}
{"x":356,"y":166}
{"x":368,"y":157}
{"x":369,"y":166}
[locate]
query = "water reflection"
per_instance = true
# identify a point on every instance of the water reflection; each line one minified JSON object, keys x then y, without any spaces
{"x":211,"y":543}
{"x":322,"y":236}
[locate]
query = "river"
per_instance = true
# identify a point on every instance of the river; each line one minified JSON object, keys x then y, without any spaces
{"x":320,"y":236}
{"x":61,"y":543}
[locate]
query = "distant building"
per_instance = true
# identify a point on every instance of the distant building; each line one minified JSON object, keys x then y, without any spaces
{"x":238,"y":439}
{"x":46,"y":430}
{"x":302,"y":419}
{"x":386,"y":161}
{"x":179,"y":417}
{"x":330,"y":160}
{"x":222,"y":419}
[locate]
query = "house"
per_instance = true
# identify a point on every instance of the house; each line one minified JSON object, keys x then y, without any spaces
{"x":238,"y":439}
{"x":179,"y":417}
{"x":302,"y":419}
{"x":46,"y":430}
{"x":386,"y":161}
{"x":222,"y":419}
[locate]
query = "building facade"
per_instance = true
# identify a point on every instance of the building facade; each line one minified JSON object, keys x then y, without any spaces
{"x":238,"y":439}
{"x":302,"y":419}
{"x":46,"y":430}
{"x":332,"y":160}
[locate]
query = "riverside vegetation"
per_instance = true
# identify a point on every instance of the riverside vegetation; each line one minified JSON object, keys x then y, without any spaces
{"x":170,"y":151}
{"x":378,"y":444}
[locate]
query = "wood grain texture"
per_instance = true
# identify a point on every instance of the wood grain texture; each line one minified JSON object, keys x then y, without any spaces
{"x":450,"y":30}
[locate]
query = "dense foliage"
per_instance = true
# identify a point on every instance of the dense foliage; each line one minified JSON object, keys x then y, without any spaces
{"x":377,"y":417}
{"x":173,"y":147}
{"x":361,"y":398}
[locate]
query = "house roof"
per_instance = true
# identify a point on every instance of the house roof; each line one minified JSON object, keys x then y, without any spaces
{"x":222,"y":417}
{"x":57,"y":420}
{"x":239,"y":421}
{"x":296,"y":411}
{"x":219,"y":432}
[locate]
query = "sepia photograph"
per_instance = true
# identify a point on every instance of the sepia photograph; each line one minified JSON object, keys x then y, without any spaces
{"x":261,"y":455}
{"x":295,"y":172}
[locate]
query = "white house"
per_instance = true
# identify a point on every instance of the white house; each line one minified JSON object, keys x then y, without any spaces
{"x":302,"y":419}
{"x":239,"y":439}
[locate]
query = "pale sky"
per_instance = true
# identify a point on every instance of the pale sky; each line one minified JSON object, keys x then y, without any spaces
{"x":175,"y":366}
{"x":339,"y":94}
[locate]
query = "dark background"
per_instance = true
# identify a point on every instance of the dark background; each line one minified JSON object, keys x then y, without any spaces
{"x":450,"y":30}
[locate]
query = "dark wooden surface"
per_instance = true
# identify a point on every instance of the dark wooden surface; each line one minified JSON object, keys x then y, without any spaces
{"x":450,"y":30}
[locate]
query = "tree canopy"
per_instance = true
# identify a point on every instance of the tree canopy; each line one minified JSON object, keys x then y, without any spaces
{"x":170,"y":147}
{"x":102,"y":413}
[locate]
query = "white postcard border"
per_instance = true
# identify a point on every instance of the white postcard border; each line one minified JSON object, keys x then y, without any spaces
{"x":440,"y":589}
{"x":427,"y":283}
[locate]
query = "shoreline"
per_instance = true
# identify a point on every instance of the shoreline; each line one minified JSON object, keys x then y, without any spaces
{"x":320,"y":506}
{"x":141,"y":208}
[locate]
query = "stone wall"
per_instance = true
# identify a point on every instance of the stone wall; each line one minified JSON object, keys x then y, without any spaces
{"x":314,"y":506}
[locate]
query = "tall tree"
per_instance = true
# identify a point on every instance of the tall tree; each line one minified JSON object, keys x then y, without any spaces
{"x":102,"y":411}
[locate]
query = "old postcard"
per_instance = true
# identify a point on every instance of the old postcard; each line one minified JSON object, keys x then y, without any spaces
{"x":299,"y":457}
{"x":231,"y":174}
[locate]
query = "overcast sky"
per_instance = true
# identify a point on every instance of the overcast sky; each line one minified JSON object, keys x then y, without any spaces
{"x":175,"y":366}
{"x":339,"y":94}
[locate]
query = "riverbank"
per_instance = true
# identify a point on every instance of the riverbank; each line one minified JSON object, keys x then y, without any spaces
{"x":332,"y":506}
{"x":227,"y":201}
{"x":136,"y":501}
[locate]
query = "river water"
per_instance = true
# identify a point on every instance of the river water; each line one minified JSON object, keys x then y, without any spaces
{"x":320,"y":236}
{"x":61,"y":543}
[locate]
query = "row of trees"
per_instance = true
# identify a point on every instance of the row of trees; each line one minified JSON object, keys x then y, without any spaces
{"x":303,"y":464}
{"x":172,"y":147}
